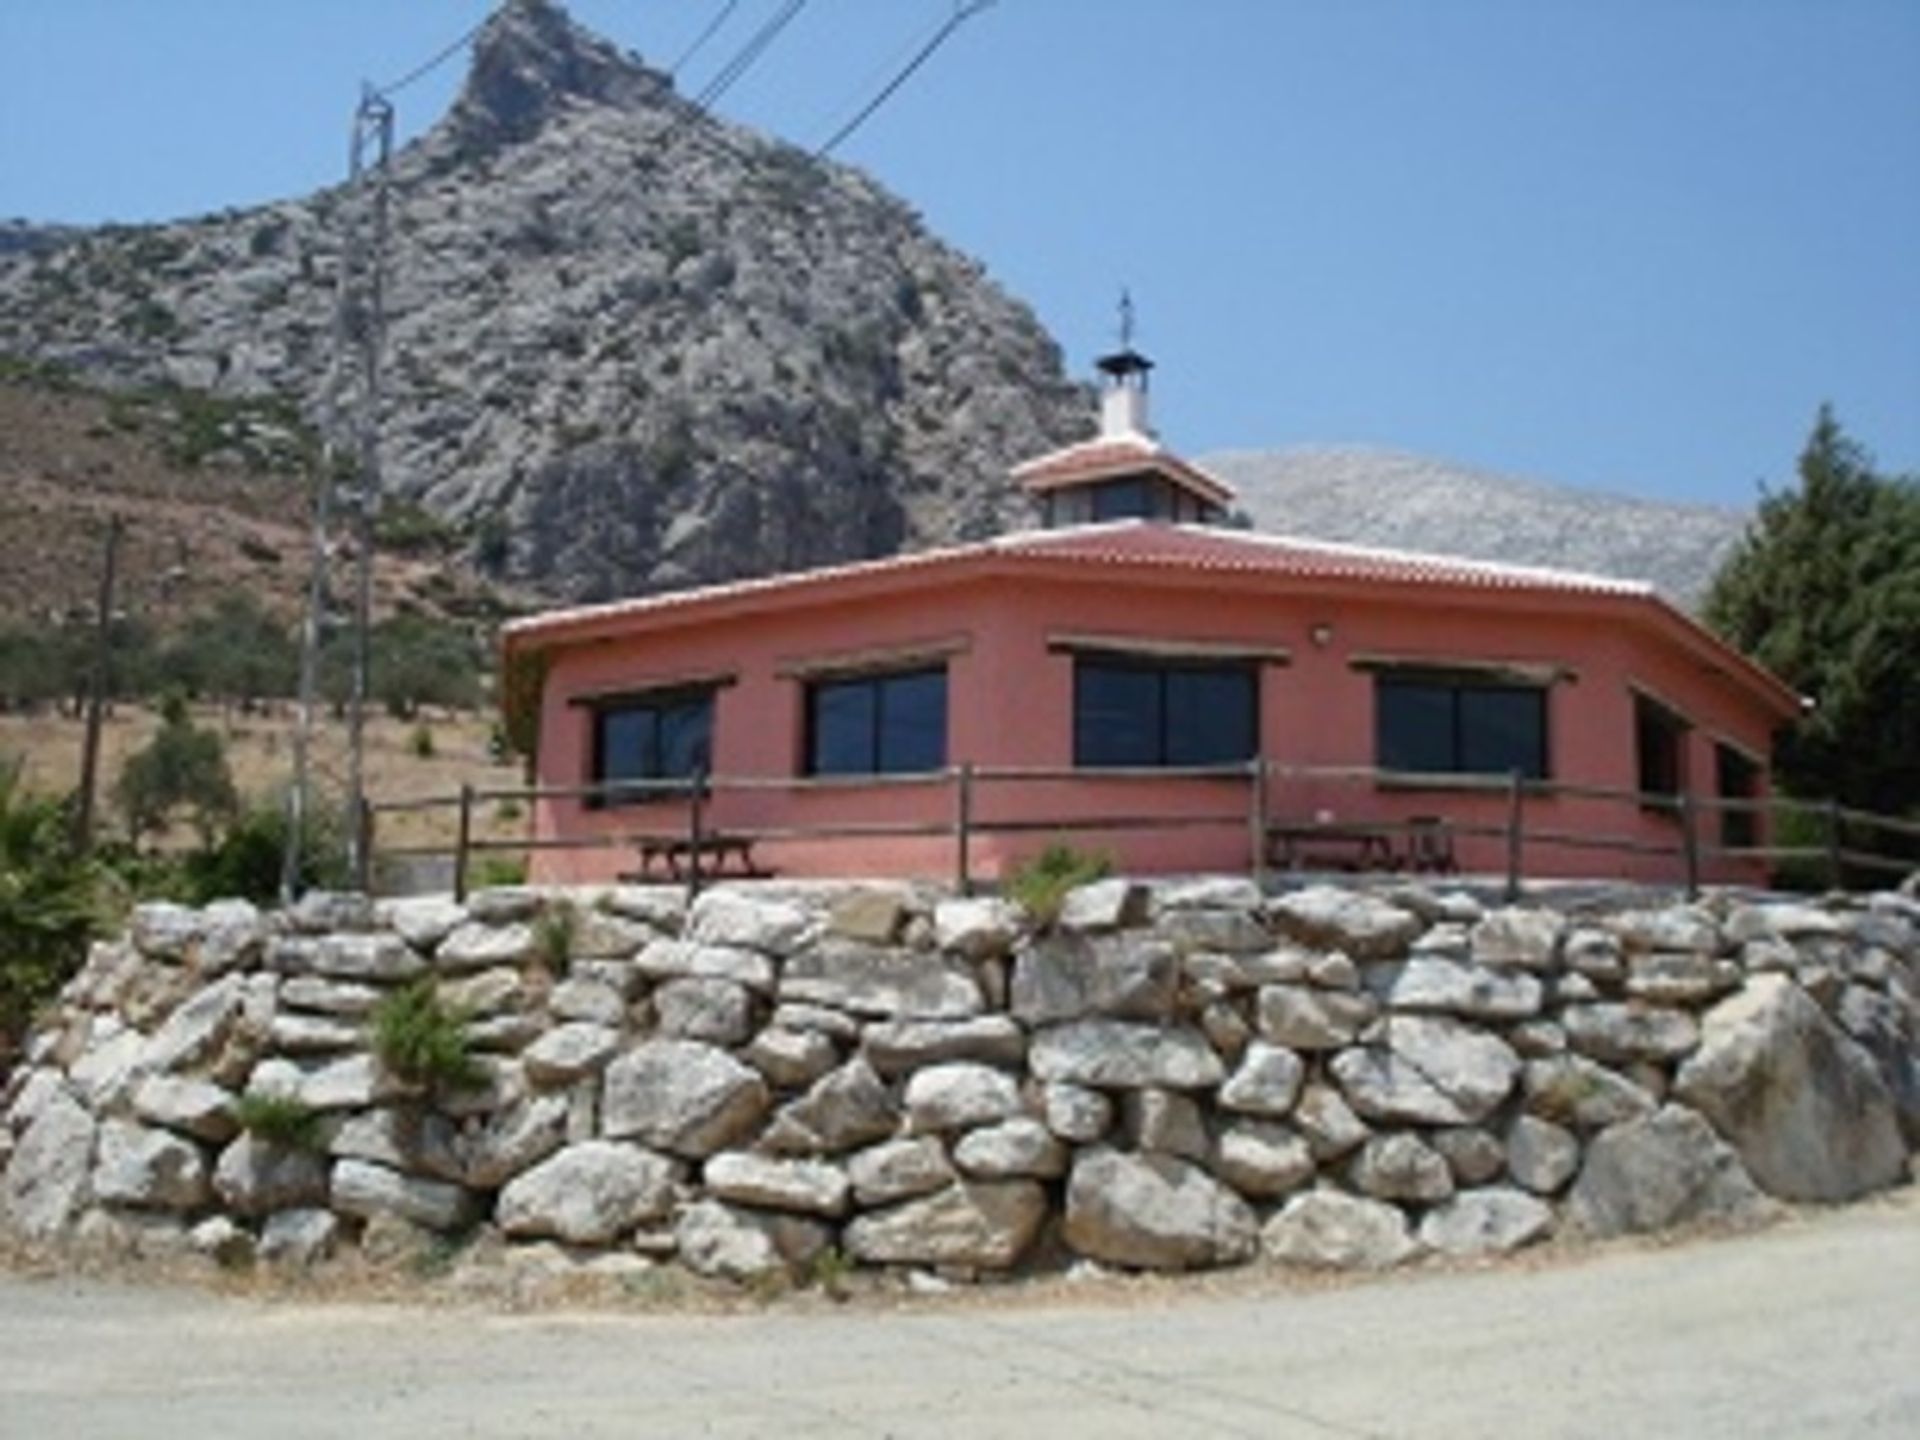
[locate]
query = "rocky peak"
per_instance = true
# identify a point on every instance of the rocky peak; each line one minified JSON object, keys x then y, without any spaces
{"x":529,"y":60}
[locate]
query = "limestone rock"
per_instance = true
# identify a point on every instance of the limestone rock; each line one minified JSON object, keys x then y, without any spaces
{"x":401,"y":1137}
{"x":1328,"y":1230}
{"x":505,"y":904}
{"x":376,"y":957}
{"x":1661,"y":1170}
{"x":255,"y":1176}
{"x":148,"y":1169}
{"x":976,"y":929}
{"x":958,"y":1095}
{"x":1675,"y":928}
{"x":1573,"y":1090}
{"x":1153,"y":1212}
{"x":515,"y":1138}
{"x":477,"y":945}
{"x":716,"y":1011}
{"x":813,"y":1187}
{"x":734,"y":1243}
{"x":1362,"y":926}
{"x":1073,"y":1112}
{"x":295,"y":1034}
{"x":1429,"y":983}
{"x":1492,"y":1221}
{"x":680,"y":960}
{"x":1262,"y":1159}
{"x":1014,"y":1148}
{"x":1207,"y":892}
{"x":1303,"y":1018}
{"x":1803,"y":1104}
{"x":162,"y":930}
{"x":318,"y":994}
{"x":1166,"y":1121}
{"x":899,"y":1170}
{"x":1619,"y":1034}
{"x":1331,"y":1128}
{"x":1119,"y":1055}
{"x":681,"y":1096}
{"x":1596,"y":954}
{"x":791,"y":1058}
{"x":366,"y":1190}
{"x":46,"y":1182}
{"x":895,"y":1047}
{"x":352,"y":1083}
{"x":984,"y":1224}
{"x":233,"y":933}
{"x":1541,"y":1156}
{"x":298,"y":1239}
{"x":1473,"y":1155}
{"x":1267,"y":1081}
{"x":1226,"y":932}
{"x":195,"y":1030}
{"x":870,"y":980}
{"x":588,"y":1194}
{"x":1102,"y":905}
{"x":845,"y":1107}
{"x":724,"y":916}
{"x":1401,"y":1166}
{"x":321,"y":912}
{"x":192,"y":1107}
{"x":1519,"y":938}
{"x":1670,"y":978}
{"x":592,"y":1001}
{"x":601,"y":935}
{"x":423,"y":921}
{"x":1067,"y":976}
{"x":1890,"y":1032}
{"x":220,"y":1240}
{"x":114,"y":1063}
{"x":868,"y":914}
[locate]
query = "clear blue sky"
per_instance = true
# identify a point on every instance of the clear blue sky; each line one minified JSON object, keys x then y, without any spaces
{"x":1629,"y":245}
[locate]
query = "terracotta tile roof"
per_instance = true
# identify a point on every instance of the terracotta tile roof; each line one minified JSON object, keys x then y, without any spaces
{"x":1108,"y":456}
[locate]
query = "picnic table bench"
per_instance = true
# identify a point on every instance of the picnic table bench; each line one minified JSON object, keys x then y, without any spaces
{"x":717,"y":855}
{"x":1337,"y":845}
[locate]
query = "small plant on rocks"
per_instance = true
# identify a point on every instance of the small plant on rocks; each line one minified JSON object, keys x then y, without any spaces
{"x":422,"y":1039}
{"x":553,"y":937}
{"x":1041,"y":884}
{"x":280,"y":1119}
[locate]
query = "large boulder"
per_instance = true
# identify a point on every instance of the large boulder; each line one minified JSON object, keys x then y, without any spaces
{"x":895,"y":1047}
{"x":589,"y":1194}
{"x":254,"y":1176}
{"x":46,"y":1183}
{"x":814,"y":1187}
{"x":1804,"y":1105}
{"x":1431,"y":1071}
{"x":729,"y":917}
{"x":1303,"y":1017}
{"x":1015,"y":1148}
{"x":734,"y":1242}
{"x":148,"y":1169}
{"x":986,"y":1224}
{"x":1664,"y":1169}
{"x":846,"y":1107}
{"x":1434,"y":983}
{"x":681,"y":1096}
{"x":1485,"y":1222}
{"x":1066,"y":976}
{"x":367,"y":1190}
{"x":681,"y":960}
{"x":1620,"y":1034}
{"x":1330,"y":1230}
{"x":899,"y":1170}
{"x":960,"y":1094}
{"x":1154,"y":1212}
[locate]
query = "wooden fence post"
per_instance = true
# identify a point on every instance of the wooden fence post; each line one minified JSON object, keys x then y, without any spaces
{"x":463,"y":840}
{"x":1257,"y":820}
{"x":1689,"y":841}
{"x":694,"y":832}
{"x":1514,"y":795}
{"x":363,"y":861}
{"x":963,"y":828}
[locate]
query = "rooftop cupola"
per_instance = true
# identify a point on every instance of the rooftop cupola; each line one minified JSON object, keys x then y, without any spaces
{"x":1123,"y":473}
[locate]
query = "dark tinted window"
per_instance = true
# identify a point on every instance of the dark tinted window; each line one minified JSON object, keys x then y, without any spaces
{"x":877,"y":724}
{"x":668,"y":738}
{"x":1142,"y":713}
{"x":1738,"y":779}
{"x":1659,"y":737}
{"x":1435,"y":725}
{"x":1123,"y":500}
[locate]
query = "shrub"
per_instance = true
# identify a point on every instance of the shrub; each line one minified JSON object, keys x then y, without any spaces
{"x":420,"y":742}
{"x":1042,"y":883}
{"x":553,"y":935}
{"x":182,"y":767}
{"x":247,"y":860}
{"x":48,"y":905}
{"x":489,"y":870}
{"x":281,"y":1119}
{"x":423,"y":1040}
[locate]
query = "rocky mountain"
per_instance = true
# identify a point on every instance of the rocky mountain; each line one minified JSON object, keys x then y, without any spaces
{"x":1386,"y":497}
{"x":630,"y":346}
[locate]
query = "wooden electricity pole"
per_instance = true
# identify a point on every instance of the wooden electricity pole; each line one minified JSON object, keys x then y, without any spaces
{"x":98,"y":681}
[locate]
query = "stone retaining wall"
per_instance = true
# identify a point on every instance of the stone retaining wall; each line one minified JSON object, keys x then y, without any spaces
{"x":1172,"y":1076}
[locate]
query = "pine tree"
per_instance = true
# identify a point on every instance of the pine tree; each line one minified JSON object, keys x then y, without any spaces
{"x":1824,"y":590}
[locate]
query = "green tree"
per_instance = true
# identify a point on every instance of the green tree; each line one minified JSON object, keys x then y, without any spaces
{"x":182,"y":767}
{"x":1824,"y":590}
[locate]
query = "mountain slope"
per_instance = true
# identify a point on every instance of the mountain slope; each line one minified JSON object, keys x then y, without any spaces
{"x":620,"y":364}
{"x":1386,"y":497}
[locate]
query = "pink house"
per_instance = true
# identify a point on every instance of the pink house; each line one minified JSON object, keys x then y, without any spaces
{"x":1111,"y":677}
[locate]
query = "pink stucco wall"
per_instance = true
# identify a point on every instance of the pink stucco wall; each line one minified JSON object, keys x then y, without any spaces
{"x":1010,"y":705}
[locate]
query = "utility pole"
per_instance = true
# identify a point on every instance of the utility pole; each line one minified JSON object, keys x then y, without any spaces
{"x":97,"y":685}
{"x":359,"y":324}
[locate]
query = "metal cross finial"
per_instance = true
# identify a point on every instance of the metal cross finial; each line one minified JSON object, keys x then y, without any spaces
{"x":1126,"y":318}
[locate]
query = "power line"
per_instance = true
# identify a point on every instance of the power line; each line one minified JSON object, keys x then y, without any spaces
{"x":731,"y":73}
{"x":440,"y":58}
{"x":963,"y":11}
{"x":700,"y":40}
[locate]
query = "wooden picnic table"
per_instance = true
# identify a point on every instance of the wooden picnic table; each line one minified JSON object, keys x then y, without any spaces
{"x":1331,"y":845}
{"x":717,"y":855}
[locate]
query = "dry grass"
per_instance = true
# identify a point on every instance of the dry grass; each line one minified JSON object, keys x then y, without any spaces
{"x":260,"y":753}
